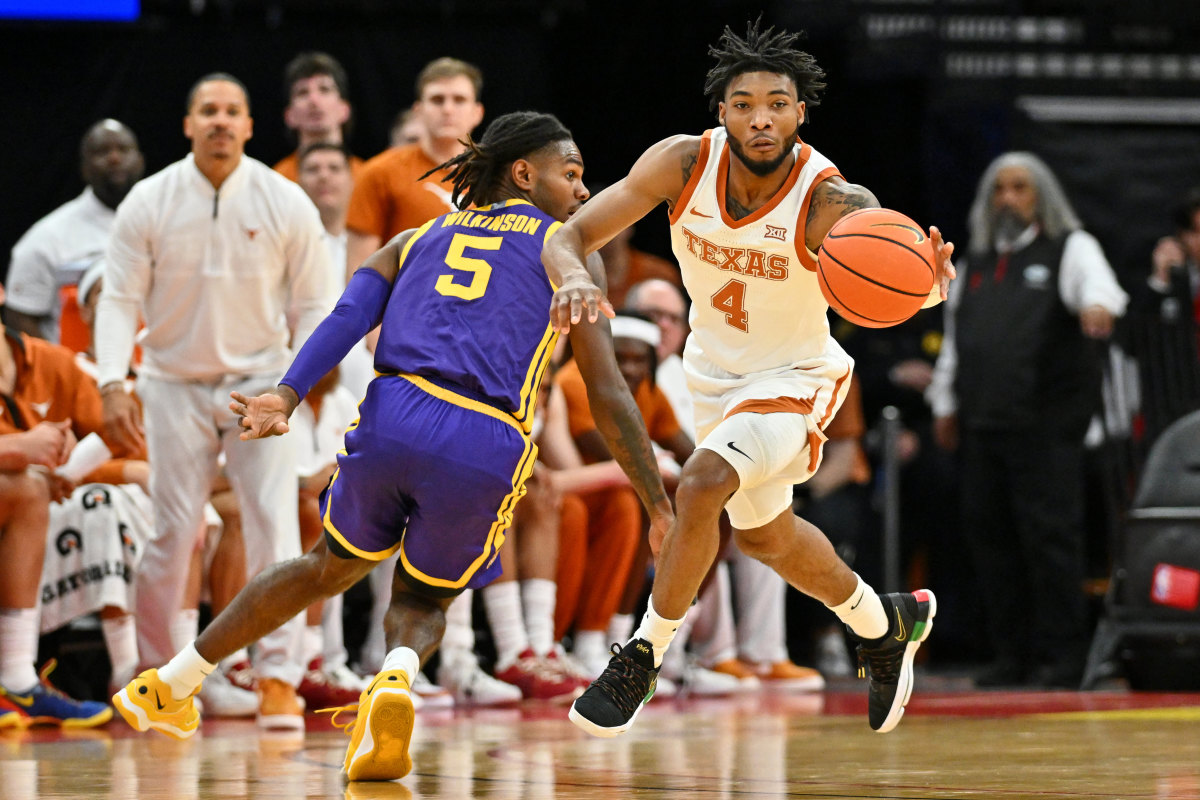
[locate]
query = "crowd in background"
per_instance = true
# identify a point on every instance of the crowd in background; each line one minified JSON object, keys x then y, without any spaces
{"x":1000,"y":392}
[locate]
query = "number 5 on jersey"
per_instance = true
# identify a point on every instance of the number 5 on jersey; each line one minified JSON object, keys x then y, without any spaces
{"x":730,"y":300}
{"x":479,"y":270}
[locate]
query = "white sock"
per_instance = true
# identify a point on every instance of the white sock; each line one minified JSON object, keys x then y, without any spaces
{"x":657,"y":630}
{"x":539,"y":597}
{"x":502,"y":602}
{"x":620,"y":627}
{"x":863,"y":612}
{"x":186,"y":671}
{"x":18,"y":648}
{"x":591,"y":644}
{"x":120,"y":637}
{"x":458,"y":643}
{"x":314,"y":643}
{"x":405,"y":659}
{"x":185,"y":627}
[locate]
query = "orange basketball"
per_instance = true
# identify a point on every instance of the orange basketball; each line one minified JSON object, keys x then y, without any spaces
{"x":876,"y":267}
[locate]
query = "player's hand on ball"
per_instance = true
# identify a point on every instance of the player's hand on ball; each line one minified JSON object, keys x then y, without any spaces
{"x":261,"y":416}
{"x":942,"y":251}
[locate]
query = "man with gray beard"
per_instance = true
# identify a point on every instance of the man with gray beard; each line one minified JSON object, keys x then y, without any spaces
{"x":1015,"y":385}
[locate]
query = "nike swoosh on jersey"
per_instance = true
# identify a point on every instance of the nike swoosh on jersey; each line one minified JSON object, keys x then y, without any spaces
{"x":698,"y":214}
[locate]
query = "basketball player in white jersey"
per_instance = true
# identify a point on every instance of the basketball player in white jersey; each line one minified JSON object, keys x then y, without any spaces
{"x":749,"y":206}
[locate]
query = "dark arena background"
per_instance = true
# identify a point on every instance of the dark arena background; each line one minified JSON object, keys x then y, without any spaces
{"x":921,"y":94}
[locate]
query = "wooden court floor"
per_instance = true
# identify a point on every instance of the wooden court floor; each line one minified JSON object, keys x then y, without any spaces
{"x":958,"y":745}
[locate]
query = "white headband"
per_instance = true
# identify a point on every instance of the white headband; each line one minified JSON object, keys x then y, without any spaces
{"x":93,"y":273}
{"x":634,"y":328}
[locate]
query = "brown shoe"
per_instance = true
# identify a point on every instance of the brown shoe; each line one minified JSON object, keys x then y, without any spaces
{"x":740,"y":670}
{"x":279,"y":707}
{"x":790,"y":677}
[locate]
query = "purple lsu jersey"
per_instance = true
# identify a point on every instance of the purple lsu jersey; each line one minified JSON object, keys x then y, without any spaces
{"x":469,"y":309}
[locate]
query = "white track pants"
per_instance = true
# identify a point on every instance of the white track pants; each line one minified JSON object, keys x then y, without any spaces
{"x":187,"y":426}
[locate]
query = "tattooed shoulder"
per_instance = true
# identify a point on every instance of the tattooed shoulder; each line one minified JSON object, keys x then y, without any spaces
{"x":688,"y":163}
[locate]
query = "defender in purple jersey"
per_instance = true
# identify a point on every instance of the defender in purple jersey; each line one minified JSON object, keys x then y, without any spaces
{"x":439,"y":456}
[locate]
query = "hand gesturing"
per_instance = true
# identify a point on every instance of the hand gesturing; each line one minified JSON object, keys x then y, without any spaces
{"x":261,"y":416}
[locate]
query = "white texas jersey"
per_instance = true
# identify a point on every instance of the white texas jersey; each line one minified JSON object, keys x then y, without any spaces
{"x":756,"y":305}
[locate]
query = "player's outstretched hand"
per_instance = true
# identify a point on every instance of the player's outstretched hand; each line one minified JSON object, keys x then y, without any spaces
{"x":575,"y":298}
{"x":261,"y":416}
{"x":942,"y":250}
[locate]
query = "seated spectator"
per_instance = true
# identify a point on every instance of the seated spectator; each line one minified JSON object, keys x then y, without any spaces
{"x":96,"y":537}
{"x":49,"y":403}
{"x":601,"y":529}
{"x":49,"y":259}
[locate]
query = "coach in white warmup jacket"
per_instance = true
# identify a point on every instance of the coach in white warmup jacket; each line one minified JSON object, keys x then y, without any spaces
{"x":223,"y":260}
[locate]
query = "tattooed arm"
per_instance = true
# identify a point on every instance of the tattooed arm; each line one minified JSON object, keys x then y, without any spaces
{"x":658,"y":176}
{"x":833,"y":199}
{"x":617,"y":416}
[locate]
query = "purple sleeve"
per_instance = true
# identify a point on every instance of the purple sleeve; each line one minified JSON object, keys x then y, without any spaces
{"x":358,"y":310}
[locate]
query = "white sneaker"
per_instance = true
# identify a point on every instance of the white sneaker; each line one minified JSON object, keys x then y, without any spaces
{"x":472,"y":686}
{"x":342,"y":675}
{"x":222,"y":699}
{"x":705,"y":683}
{"x":430,"y":695}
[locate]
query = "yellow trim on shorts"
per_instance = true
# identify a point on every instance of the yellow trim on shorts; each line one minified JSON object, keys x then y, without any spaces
{"x":533,"y":377}
{"x":524,"y":426}
{"x":496,"y":537}
{"x":332,"y":530}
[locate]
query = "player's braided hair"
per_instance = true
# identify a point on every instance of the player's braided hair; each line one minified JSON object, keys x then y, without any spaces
{"x":478,"y":171}
{"x":762,"y":51}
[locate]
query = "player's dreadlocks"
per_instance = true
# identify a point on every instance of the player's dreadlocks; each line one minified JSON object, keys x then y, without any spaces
{"x":479,"y":170}
{"x":762,"y":51}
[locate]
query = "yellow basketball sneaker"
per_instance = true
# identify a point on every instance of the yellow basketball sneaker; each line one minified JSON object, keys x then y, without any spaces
{"x":380,"y":735}
{"x":146,"y":703}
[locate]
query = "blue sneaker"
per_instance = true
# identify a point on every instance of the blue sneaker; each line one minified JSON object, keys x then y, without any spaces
{"x":47,"y":705}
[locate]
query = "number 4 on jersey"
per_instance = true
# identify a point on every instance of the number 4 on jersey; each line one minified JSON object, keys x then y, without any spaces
{"x":730,"y":300}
